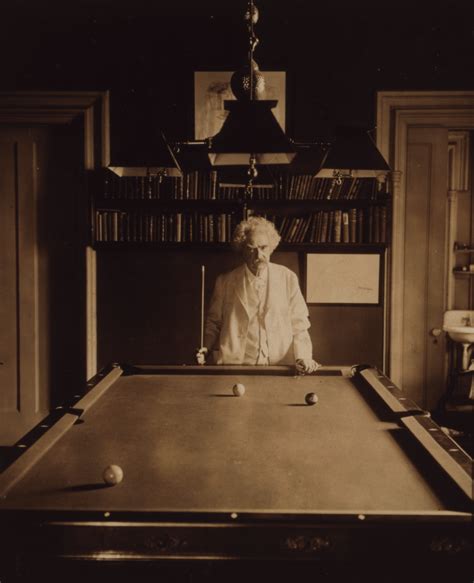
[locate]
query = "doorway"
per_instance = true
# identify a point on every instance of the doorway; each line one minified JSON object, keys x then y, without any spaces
{"x":413,"y":132}
{"x":47,"y":141}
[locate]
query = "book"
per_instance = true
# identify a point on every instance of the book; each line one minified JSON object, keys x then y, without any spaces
{"x":360,"y":226}
{"x":337,"y":226}
{"x":324,"y":227}
{"x":307,"y":221}
{"x":345,"y":227}
{"x":353,"y":226}
{"x":383,"y":225}
{"x":294,"y":225}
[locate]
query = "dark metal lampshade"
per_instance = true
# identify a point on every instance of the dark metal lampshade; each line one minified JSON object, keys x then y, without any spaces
{"x":309,"y":159}
{"x":250,"y":129}
{"x":192,"y":156}
{"x":159,"y":161}
{"x":354,"y":149}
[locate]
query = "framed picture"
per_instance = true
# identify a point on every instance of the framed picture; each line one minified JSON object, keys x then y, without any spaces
{"x":344,"y":278}
{"x":212,"y":88}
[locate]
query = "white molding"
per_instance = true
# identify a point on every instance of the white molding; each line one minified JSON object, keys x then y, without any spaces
{"x":459,"y":160}
{"x":458,"y":173}
{"x":91,"y":299}
{"x":390,"y":101}
{"x":451,"y":231}
{"x":396,"y":112}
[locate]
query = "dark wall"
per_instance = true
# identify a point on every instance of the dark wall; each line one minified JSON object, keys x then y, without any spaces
{"x":149,"y":310}
{"x":336,"y":54}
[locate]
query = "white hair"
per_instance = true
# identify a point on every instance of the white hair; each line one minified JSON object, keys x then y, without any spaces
{"x":251,"y":225}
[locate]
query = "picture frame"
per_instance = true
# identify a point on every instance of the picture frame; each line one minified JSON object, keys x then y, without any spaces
{"x":344,"y":278}
{"x":212,"y":88}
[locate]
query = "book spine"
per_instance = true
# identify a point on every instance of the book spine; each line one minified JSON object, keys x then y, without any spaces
{"x":353,"y":226}
{"x":345,"y":227}
{"x":337,"y":226}
{"x":324,"y":227}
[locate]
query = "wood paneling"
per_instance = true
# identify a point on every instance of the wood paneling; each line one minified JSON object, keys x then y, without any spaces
{"x":19,"y":335}
{"x":9,"y":396}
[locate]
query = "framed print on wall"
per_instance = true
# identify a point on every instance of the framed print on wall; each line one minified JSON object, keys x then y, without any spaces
{"x":343,"y":278}
{"x":212,"y":88}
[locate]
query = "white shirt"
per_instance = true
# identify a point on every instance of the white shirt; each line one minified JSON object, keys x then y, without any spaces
{"x":256,"y":345}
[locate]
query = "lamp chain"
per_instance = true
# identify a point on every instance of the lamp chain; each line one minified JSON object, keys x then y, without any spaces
{"x":252,"y":174}
{"x":251,"y":16}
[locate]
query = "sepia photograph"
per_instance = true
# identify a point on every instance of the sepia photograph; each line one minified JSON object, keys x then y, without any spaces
{"x":236,"y":291}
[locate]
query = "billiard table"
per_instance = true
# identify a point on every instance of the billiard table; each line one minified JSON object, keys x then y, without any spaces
{"x":364,"y":481}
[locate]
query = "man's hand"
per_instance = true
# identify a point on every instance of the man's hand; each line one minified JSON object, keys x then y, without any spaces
{"x":306,"y":365}
{"x":201,"y":355}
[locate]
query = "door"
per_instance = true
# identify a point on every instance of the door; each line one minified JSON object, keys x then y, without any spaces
{"x":42,"y":272}
{"x":423,"y":359}
{"x":418,"y":121}
{"x":21,"y":399}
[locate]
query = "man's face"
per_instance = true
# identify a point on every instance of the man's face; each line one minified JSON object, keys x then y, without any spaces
{"x":257,"y":251}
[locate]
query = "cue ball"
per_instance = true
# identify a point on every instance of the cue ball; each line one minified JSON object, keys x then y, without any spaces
{"x":113,"y":475}
{"x":239,"y":389}
{"x":311,"y":398}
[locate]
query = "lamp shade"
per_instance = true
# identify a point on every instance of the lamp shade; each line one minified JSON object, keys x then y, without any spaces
{"x":250,"y":129}
{"x":354,"y":149}
{"x":160,"y":159}
{"x":309,"y":158}
{"x":192,"y":156}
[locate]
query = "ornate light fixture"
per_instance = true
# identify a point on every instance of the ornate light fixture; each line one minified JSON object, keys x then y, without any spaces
{"x":251,"y":136}
{"x":250,"y":133}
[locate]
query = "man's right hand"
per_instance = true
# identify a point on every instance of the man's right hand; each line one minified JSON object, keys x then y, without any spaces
{"x":307,"y":365}
{"x":201,"y":355}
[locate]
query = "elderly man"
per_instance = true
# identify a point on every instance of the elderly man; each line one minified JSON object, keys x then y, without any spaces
{"x":257,"y":314}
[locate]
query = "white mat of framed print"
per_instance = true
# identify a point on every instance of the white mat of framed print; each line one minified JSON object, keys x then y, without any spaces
{"x":212,"y":88}
{"x":343,"y":278}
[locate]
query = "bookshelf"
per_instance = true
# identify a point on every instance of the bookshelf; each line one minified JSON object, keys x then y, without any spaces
{"x":201,"y":208}
{"x":464,"y":253}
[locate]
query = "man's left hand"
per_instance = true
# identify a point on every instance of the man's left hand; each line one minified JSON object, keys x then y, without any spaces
{"x":307,"y":365}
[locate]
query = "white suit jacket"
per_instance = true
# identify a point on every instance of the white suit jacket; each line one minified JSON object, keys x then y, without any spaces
{"x":285,"y":316}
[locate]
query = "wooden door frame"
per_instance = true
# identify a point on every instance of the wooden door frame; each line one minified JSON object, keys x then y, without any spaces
{"x":397,"y":111}
{"x":28,"y":108}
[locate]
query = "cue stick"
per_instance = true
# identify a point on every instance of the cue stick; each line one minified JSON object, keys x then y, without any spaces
{"x":203,"y":276}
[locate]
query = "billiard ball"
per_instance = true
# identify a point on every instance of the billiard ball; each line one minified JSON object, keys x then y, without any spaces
{"x":113,"y":475}
{"x":239,"y":389}
{"x":311,"y":398}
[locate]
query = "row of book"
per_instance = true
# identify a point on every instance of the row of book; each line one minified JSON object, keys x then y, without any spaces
{"x":367,"y":225}
{"x":143,"y":187}
{"x":209,"y":186}
{"x":304,"y":187}
{"x":353,"y":226}
{"x":119,"y":226}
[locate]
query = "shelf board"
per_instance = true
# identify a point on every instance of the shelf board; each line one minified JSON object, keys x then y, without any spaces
{"x":144,"y":203}
{"x":194,"y":204}
{"x":463,"y":248}
{"x":461,"y":272}
{"x":318,"y":204}
{"x":196,"y":246}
